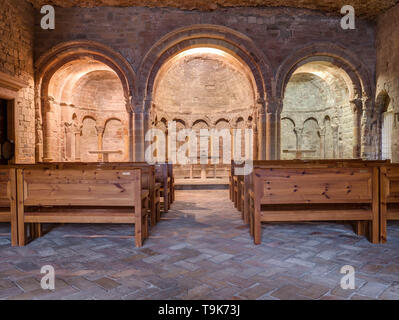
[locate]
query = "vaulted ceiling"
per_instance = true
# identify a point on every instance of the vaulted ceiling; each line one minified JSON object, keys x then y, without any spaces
{"x":364,"y":8}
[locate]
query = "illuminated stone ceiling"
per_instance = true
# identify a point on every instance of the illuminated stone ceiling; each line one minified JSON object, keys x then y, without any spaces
{"x":364,"y":8}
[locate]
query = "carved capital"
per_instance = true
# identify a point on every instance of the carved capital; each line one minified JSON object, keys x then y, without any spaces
{"x":68,"y":127}
{"x":274,"y":105}
{"x":357,"y":106}
{"x":100,"y":130}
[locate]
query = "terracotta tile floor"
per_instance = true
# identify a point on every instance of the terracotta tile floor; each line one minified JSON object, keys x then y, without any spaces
{"x":201,"y":250}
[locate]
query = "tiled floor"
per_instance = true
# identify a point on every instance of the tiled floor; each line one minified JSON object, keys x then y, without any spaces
{"x":201,"y":250}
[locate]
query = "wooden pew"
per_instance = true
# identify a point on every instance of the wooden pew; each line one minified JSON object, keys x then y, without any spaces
{"x":172,"y":195}
{"x":237,"y":188}
{"x":147,"y":181}
{"x":162,"y":177}
{"x":284,"y":191}
{"x":231,"y":185}
{"x":81,"y":194}
{"x":360,"y":227}
{"x":389,"y":192}
{"x":8,"y":200}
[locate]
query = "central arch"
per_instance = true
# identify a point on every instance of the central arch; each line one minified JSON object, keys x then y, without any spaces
{"x":204,"y":88}
{"x":238,"y":47}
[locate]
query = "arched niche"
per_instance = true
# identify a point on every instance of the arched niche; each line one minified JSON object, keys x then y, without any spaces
{"x":317,"y":98}
{"x":86,"y":79}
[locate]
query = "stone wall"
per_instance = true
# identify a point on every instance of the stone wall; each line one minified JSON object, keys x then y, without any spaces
{"x":388,"y":71}
{"x":277,"y":36}
{"x":278,"y":32}
{"x":16,"y":59}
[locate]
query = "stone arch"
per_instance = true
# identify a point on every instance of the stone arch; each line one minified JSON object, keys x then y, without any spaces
{"x":382,"y":127}
{"x":89,"y":136}
{"x":311,"y":138}
{"x":221,"y":121}
{"x":200,"y":123}
{"x":87,"y":116}
{"x":181,"y":122}
{"x":66,"y":52}
{"x":353,"y":73}
{"x":236,"y":44}
{"x":114,"y":139}
{"x":289,"y":145}
{"x":336,"y":55}
{"x":73,"y":56}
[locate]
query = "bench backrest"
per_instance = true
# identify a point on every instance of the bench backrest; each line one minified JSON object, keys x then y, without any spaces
{"x":5,"y":186}
{"x":313,"y":185}
{"x":390,"y":184}
{"x":147,"y":171}
{"x":161,"y":173}
{"x":80,"y":186}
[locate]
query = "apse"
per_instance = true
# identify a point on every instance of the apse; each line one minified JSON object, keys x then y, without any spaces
{"x":87,"y":118}
{"x":317,"y":118}
{"x":204,"y":88}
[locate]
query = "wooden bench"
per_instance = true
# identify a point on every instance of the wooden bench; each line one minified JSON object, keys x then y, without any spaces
{"x":8,"y":200}
{"x":389,"y":197}
{"x":237,"y":190}
{"x":231,"y":185}
{"x":162,"y":177}
{"x":172,"y":195}
{"x":147,"y":182}
{"x":295,"y":191}
{"x":81,"y":194}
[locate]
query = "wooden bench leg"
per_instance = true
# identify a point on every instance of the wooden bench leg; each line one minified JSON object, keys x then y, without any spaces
{"x":383,"y":223}
{"x":145,"y":220}
{"x":257,"y":225}
{"x":138,"y":226}
{"x":21,"y":210}
{"x":165,"y":202}
{"x":384,"y":187}
{"x":14,"y":233}
{"x":36,"y":230}
{"x":158,"y":209}
{"x":375,"y":223}
{"x":360,"y":227}
{"x":153,"y":210}
{"x":246,"y":209}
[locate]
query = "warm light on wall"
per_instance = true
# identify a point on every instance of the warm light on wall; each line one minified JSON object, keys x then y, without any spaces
{"x":202,"y":50}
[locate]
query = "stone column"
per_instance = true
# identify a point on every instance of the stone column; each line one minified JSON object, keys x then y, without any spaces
{"x":77,"y":132}
{"x":68,"y":141}
{"x":255,"y":140}
{"x":50,"y":138}
{"x":100,"y":134}
{"x":138,"y":136}
{"x":368,"y":105}
{"x":334,"y":129}
{"x":146,"y":127}
{"x":357,"y":108}
{"x":273,"y":109}
{"x":299,"y":140}
{"x":323,"y":143}
{"x":131,"y":137}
